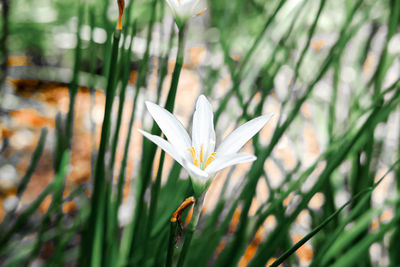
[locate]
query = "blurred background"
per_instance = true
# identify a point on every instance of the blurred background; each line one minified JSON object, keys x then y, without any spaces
{"x":328,"y":70}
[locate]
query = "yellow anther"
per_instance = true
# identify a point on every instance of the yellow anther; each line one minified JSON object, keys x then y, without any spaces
{"x":201,"y":12}
{"x":196,"y":161}
{"x":201,"y":153}
{"x":210,"y":159}
{"x":193,"y":152}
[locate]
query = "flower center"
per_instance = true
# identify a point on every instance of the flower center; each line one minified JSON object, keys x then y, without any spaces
{"x":202,"y":164}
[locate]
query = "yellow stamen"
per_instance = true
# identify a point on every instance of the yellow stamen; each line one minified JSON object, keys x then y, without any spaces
{"x":201,"y":153}
{"x":210,"y":159}
{"x":121,"y":6}
{"x":193,"y":152}
{"x":201,"y":12}
{"x":196,"y":161}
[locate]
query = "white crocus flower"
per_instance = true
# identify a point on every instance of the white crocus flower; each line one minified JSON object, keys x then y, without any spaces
{"x":184,"y":10}
{"x":197,"y":154}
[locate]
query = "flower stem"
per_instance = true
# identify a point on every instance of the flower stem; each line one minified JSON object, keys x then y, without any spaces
{"x":129,"y":236}
{"x":149,"y":151}
{"x":5,"y":27}
{"x":190,"y":230}
{"x":93,"y":235}
{"x":164,"y":63}
{"x":171,"y":243}
{"x":73,"y":87}
{"x":170,"y":103}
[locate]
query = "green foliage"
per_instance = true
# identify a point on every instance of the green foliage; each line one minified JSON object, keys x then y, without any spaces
{"x":326,"y":47}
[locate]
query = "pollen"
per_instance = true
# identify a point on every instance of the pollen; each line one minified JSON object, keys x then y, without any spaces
{"x":201,"y":153}
{"x":201,"y":164}
{"x":210,"y":159}
{"x":193,"y":152}
{"x":201,"y":12}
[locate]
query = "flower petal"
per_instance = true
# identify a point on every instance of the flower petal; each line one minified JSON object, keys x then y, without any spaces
{"x":203,"y":133}
{"x":182,"y":9}
{"x":188,"y":2}
{"x":199,"y":8}
{"x":174,"y":5}
{"x":166,"y":146}
{"x":225,"y":161}
{"x":241,"y":135}
{"x":171,"y":127}
{"x":198,"y":176}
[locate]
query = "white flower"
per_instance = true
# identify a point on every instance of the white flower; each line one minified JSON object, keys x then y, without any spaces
{"x":184,"y":10}
{"x":197,"y":154}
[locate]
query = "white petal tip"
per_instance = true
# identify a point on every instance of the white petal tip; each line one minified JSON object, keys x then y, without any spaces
{"x":144,"y":133}
{"x":202,"y":101}
{"x":248,"y":157}
{"x":202,"y":98}
{"x":141,"y":131}
{"x":264,"y":119}
{"x":149,"y":104}
{"x":268,"y":116}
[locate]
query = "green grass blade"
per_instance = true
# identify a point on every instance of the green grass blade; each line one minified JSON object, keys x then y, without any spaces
{"x":34,"y":162}
{"x":93,"y":237}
